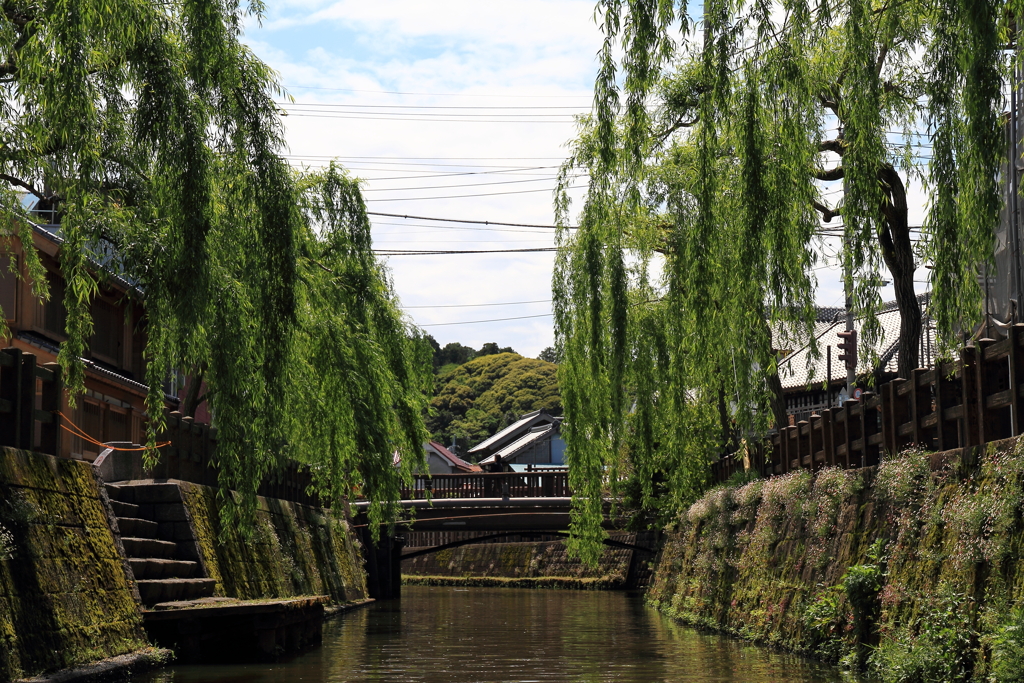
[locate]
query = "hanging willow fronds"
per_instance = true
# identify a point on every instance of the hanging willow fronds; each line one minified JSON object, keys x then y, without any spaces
{"x":153,"y":131}
{"x":694,"y":260}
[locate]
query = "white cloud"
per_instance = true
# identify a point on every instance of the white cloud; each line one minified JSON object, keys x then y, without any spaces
{"x":528,"y":53}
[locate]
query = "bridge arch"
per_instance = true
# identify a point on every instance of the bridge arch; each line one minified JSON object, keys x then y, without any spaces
{"x":505,"y":534}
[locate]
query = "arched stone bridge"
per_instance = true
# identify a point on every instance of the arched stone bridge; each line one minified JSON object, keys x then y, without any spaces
{"x":472,"y":508}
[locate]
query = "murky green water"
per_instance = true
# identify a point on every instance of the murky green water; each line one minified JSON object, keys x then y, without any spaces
{"x":448,"y":635}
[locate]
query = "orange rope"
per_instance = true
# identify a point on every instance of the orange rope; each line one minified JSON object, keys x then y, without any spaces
{"x":81,"y":434}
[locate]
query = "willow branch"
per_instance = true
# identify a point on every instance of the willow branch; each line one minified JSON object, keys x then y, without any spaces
{"x":28,"y":186}
{"x":661,"y":137}
{"x":827,"y":214}
{"x":837,"y":146}
{"x":829,"y":174}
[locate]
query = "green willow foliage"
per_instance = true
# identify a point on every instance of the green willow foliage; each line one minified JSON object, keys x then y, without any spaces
{"x":153,"y":130}
{"x":694,"y":255}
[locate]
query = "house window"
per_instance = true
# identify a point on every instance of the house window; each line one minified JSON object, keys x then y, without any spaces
{"x":118,"y":425}
{"x":8,"y":288}
{"x":106,"y":332}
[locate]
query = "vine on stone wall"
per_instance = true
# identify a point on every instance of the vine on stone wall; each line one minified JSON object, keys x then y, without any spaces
{"x":6,"y":544}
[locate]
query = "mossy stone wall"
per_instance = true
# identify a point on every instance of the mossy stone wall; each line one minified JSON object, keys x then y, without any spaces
{"x":66,"y":595}
{"x":293,"y":550}
{"x":547,"y":559}
{"x":913,"y":568}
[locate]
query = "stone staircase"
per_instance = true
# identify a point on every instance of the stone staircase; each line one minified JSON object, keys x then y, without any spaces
{"x":159,"y":542}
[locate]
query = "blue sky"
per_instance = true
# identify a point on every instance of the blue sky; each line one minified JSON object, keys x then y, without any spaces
{"x":492,"y":87}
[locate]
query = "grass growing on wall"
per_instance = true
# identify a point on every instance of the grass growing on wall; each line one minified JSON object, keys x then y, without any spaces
{"x":910,"y":570}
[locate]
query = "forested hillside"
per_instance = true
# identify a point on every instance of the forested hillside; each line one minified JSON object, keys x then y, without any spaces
{"x":475,"y":399}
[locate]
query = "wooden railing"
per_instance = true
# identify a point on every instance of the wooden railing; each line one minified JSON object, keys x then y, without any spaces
{"x":490,"y":485}
{"x":29,"y":420}
{"x":191,"y":456}
{"x":974,"y":400}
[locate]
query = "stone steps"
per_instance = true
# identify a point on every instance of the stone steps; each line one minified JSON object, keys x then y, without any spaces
{"x":143,"y":548}
{"x":122,"y":509}
{"x":136,"y":527}
{"x":159,"y":542}
{"x":153,"y":591}
{"x":150,"y":568}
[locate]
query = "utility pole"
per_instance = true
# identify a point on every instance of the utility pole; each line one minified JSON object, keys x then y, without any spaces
{"x":1018,"y":279}
{"x":849,"y":337}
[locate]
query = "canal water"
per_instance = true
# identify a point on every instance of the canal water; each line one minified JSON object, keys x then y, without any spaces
{"x":491,"y":635}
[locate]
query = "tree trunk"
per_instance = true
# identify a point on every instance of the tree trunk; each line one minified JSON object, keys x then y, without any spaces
{"x":898,"y":253}
{"x":192,"y":398}
{"x":777,"y":400}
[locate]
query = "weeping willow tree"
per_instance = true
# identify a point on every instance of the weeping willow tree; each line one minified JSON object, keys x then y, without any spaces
{"x":716,"y":150}
{"x":153,"y":133}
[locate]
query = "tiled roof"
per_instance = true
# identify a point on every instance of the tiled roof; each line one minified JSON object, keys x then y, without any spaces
{"x":534,"y":435}
{"x":453,"y":459}
{"x":798,"y":370}
{"x":510,"y":430}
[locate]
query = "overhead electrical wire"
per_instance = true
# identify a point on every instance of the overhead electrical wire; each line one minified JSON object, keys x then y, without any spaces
{"x":427,"y":252}
{"x":445,"y":187}
{"x":513,"y":171}
{"x":416,"y":106}
{"x":393,"y":118}
{"x":504,"y":303}
{"x":492,"y":320}
{"x":457,"y":196}
{"x":463,"y":220}
{"x":451,"y":227}
{"x":588,"y":96}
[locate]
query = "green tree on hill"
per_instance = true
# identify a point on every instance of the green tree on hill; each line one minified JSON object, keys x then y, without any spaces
{"x":476,"y":399}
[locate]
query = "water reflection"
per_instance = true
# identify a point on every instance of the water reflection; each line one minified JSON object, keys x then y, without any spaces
{"x":446,"y":635}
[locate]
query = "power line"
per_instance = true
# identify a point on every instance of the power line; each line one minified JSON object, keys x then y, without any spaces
{"x":512,"y":171}
{"x":492,"y":320}
{"x":388,"y":233}
{"x":504,"y":303}
{"x":427,"y":252}
{"x":461,"y":220}
{"x":439,"y":94}
{"x":463,"y":241}
{"x":445,"y":187}
{"x":329,"y":156}
{"x":395,"y":117}
{"x":459,"y":196}
{"x":333,"y":105}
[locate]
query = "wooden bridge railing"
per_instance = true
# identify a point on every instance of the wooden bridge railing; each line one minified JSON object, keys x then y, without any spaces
{"x":490,"y":485}
{"x":974,"y":400}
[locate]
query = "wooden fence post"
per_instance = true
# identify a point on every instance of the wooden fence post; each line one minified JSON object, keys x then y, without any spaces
{"x":10,"y":393}
{"x":869,"y":428}
{"x":52,"y":398}
{"x":828,"y":437}
{"x":1015,"y":361}
{"x":27,"y":402}
{"x":972,"y":432}
{"x":946,"y":393}
{"x":805,"y":456}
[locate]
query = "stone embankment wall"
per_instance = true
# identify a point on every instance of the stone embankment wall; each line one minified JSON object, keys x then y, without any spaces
{"x":293,"y":550}
{"x":912,"y":569}
{"x":66,"y":595}
{"x":526,"y":564}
